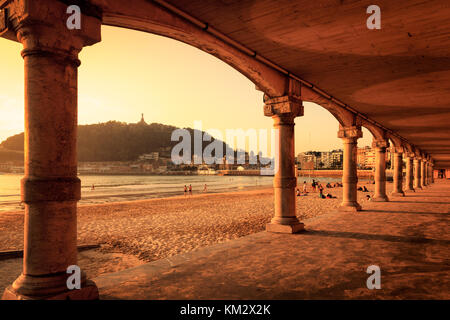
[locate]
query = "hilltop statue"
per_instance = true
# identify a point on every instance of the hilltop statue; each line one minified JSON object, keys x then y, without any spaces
{"x":142,"y":119}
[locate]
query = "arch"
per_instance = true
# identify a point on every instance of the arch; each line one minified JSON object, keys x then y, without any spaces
{"x":377,"y":133}
{"x":417,"y":153}
{"x":147,"y":16}
{"x":343,"y":116}
{"x":397,"y":144}
{"x":408,"y":148}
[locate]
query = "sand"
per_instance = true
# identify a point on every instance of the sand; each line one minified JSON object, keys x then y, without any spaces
{"x":135,"y":232}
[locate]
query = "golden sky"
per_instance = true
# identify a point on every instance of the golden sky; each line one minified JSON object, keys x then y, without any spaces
{"x":132,"y":72}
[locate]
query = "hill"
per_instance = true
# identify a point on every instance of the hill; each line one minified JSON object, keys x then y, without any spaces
{"x":110,"y":141}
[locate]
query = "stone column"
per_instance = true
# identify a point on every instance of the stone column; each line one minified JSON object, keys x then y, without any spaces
{"x":350,"y":136}
{"x":50,"y":188}
{"x":422,"y":173}
{"x":283,"y":111}
{"x":432,"y":173}
{"x":417,"y":183}
{"x":380,"y":170}
{"x":398,"y":173}
{"x":409,"y":172}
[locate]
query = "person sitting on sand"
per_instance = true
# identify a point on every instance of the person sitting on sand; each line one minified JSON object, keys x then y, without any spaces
{"x":321,"y":195}
{"x":360,"y":189}
{"x":320,"y":188}
{"x":298,"y":192}
{"x":329,"y":185}
{"x":365,"y":189}
{"x":330,"y":196}
{"x":368,"y":197}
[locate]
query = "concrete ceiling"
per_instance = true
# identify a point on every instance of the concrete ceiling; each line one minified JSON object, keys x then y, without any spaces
{"x":399,"y":75}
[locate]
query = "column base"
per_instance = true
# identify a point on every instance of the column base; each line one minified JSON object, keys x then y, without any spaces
{"x":285,"y":228}
{"x":27,"y":288}
{"x":349,"y":207}
{"x":397,"y":194}
{"x":410,"y":190}
{"x":380,"y":199}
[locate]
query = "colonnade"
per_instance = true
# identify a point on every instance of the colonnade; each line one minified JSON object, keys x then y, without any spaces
{"x":283,"y":110}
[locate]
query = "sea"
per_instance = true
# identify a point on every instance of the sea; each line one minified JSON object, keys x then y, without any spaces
{"x":113,"y":188}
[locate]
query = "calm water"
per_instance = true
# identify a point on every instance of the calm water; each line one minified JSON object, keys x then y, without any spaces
{"x":121,"y":188}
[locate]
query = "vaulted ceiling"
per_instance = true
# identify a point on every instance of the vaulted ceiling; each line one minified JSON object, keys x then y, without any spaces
{"x":398,"y":75}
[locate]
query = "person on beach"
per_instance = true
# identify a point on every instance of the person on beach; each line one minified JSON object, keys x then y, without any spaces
{"x":329,"y":185}
{"x":204,"y":188}
{"x":321,"y":195}
{"x":320,"y":188}
{"x":298,"y":192}
{"x":313,"y":185}
{"x":304,"y":187}
{"x":330,"y":196}
{"x":365,"y":189}
{"x":185,"y":189}
{"x":190,"y":189}
{"x":93,"y":187}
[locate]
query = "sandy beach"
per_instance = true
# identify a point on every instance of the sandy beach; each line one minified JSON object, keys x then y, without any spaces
{"x":134,"y":232}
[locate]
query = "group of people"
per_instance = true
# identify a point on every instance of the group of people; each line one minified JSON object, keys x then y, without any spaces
{"x":318,"y":186}
{"x":363,"y":189}
{"x":189,"y":189}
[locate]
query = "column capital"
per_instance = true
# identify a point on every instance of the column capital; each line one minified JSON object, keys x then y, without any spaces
{"x":400,"y":150}
{"x":285,"y":106}
{"x":353,"y":132}
{"x":380,"y":144}
{"x":41,"y":26}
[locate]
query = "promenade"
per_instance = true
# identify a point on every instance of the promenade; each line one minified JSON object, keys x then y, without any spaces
{"x":408,"y":238}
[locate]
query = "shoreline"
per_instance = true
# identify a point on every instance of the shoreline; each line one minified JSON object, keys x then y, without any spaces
{"x":167,"y":196}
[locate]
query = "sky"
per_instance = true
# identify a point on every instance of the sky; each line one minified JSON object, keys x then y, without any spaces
{"x":131,"y":72}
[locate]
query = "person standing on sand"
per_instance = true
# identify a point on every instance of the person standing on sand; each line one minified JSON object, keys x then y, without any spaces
{"x":185,"y":189}
{"x":204,"y":188}
{"x":304,"y":187}
{"x":190,"y":189}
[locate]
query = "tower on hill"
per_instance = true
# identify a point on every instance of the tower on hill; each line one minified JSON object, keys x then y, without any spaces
{"x":142,"y":119}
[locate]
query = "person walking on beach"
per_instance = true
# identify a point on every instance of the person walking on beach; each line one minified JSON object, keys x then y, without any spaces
{"x":304,"y":187}
{"x":313,"y":185}
{"x":185,"y":189}
{"x":190,"y":189}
